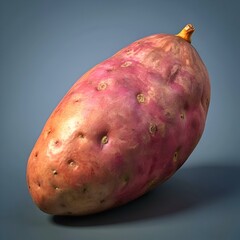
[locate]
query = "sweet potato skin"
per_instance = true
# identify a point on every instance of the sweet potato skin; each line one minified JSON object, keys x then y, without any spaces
{"x":124,"y":127}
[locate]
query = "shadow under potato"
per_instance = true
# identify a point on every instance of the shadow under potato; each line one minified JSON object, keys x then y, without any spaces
{"x":189,"y":188}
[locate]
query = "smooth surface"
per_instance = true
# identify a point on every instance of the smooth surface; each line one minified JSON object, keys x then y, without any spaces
{"x":47,"y":45}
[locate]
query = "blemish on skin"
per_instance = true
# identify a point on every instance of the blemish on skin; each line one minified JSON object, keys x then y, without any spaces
{"x":102,"y":201}
{"x":104,"y":140}
{"x":36,"y":154}
{"x":141,"y":98}
{"x":84,"y":190}
{"x":54,"y":147}
{"x":39,"y":184}
{"x":125,"y":179}
{"x":182,"y":116}
{"x":101,"y":86}
{"x":174,"y":71}
{"x":57,"y":142}
{"x":63,"y":205}
{"x":175,"y":156}
{"x":207,"y":102}
{"x":168,"y":47}
{"x":80,"y":135}
{"x":110,"y":69}
{"x":77,"y":100}
{"x":187,"y":61}
{"x":162,"y":129}
{"x":126,"y":64}
{"x":71,"y":162}
{"x":151,"y":184}
{"x":129,"y":51}
{"x":152,"y":128}
{"x":47,"y":133}
{"x":168,"y":114}
{"x":54,"y":172}
{"x":175,"y":49}
{"x":56,"y":188}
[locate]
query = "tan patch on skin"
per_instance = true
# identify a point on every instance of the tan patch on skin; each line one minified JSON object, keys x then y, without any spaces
{"x":162,"y":129}
{"x":126,"y":64}
{"x":102,"y":86}
{"x":54,"y":147}
{"x":151,"y":93}
{"x":174,"y":71}
{"x":171,"y":47}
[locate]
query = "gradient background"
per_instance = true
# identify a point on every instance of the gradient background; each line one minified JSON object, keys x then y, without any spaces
{"x":45,"y":46}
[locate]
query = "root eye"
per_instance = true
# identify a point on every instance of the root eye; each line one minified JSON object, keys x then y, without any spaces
{"x":56,"y":188}
{"x":176,"y":155}
{"x":71,"y":162}
{"x":207,"y":102}
{"x":80,"y":135}
{"x":141,"y":98}
{"x":153,"y":128}
{"x":104,"y":140}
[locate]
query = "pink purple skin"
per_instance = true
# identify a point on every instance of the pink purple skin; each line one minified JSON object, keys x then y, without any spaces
{"x":124,"y":127}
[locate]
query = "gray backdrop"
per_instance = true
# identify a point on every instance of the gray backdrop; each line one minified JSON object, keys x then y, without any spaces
{"x":45,"y":46}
